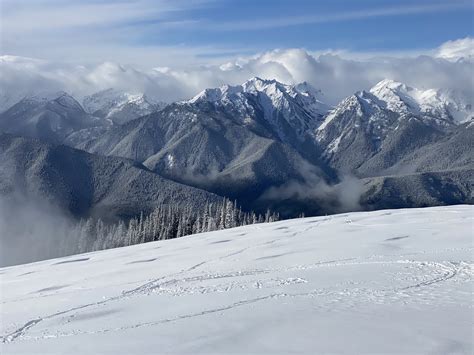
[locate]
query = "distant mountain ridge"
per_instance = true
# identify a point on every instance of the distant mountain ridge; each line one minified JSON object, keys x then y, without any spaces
{"x":52,"y":117}
{"x":120,"y":107}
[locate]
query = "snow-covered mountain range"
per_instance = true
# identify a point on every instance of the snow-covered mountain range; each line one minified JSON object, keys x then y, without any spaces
{"x":269,"y":144}
{"x":58,"y":117}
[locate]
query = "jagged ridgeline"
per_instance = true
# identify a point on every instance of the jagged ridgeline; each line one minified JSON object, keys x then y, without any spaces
{"x":164,"y":222}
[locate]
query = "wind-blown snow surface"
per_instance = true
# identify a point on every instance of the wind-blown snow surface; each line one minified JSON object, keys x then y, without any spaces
{"x":387,"y":281}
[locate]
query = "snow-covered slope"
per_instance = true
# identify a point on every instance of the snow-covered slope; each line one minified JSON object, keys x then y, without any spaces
{"x":393,"y":281}
{"x":119,"y":106}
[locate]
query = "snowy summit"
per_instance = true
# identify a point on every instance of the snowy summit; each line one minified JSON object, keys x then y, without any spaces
{"x":446,"y":104}
{"x":285,"y":107}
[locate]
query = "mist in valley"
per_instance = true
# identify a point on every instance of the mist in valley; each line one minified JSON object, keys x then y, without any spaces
{"x":32,"y":229}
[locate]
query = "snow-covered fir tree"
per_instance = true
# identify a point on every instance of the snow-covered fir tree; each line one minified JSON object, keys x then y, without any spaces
{"x":164,"y":222}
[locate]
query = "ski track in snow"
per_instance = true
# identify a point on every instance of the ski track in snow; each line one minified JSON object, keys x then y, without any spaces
{"x":268,"y":264}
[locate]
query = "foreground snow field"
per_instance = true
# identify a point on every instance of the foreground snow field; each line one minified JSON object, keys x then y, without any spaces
{"x":395,"y":281}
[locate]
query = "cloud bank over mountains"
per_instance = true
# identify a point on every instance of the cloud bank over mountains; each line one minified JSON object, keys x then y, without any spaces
{"x":337,"y":74}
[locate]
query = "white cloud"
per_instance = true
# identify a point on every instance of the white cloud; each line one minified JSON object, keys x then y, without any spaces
{"x":454,"y":50}
{"x":24,"y":16}
{"x":91,"y":31}
{"x":338,"y":75}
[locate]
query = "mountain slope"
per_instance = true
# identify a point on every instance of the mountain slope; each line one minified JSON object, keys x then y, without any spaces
{"x":204,"y":146}
{"x":434,"y":188}
{"x":282,"y":287}
{"x":453,"y":151}
{"x":86,"y":184}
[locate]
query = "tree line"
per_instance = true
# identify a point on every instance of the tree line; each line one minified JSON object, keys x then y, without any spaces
{"x":164,"y":222}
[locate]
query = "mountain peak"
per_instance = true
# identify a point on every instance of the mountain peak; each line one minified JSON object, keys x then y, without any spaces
{"x":59,"y":97}
{"x":120,"y":106}
{"x":270,"y":87}
{"x":396,"y":96}
{"x":307,"y":88}
{"x":259,"y":84}
{"x":389,"y":84}
{"x":46,"y":96}
{"x":226,"y":92}
{"x":281,"y":105}
{"x":448,"y":105}
{"x":260,"y":81}
{"x":392,"y":90}
{"x":66,"y":100}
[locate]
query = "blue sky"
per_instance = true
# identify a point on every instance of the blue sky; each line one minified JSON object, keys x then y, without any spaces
{"x":363,"y":25}
{"x":178,"y":31}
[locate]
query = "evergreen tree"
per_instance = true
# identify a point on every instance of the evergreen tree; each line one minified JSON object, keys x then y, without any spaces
{"x":164,"y":222}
